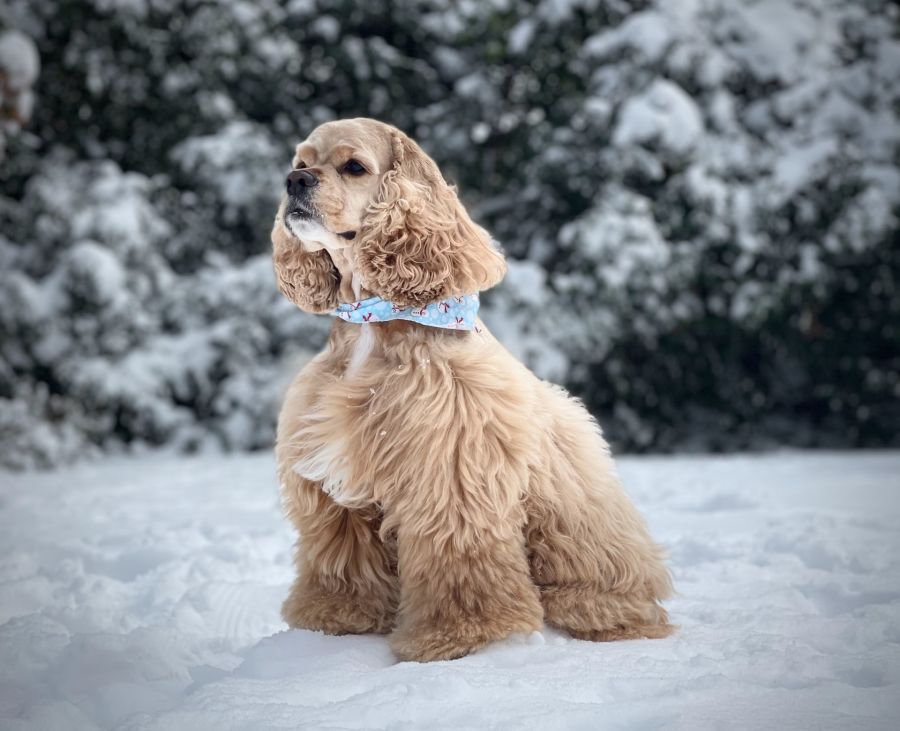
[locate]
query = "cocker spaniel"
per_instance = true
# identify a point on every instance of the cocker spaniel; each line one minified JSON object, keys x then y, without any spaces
{"x":442,"y":492}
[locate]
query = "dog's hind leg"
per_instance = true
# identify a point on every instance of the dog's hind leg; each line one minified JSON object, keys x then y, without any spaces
{"x":600,"y":574}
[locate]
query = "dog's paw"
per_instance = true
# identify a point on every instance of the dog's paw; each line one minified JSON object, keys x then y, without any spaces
{"x":588,"y":613}
{"x":638,"y":632}
{"x":436,"y":644}
{"x":336,"y":614}
{"x":454,"y":640}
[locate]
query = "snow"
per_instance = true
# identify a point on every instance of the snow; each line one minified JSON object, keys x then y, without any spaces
{"x":19,"y":60}
{"x":521,"y":311}
{"x":130,"y":224}
{"x":20,"y":65}
{"x":143,"y":593}
{"x":241,"y":162}
{"x":103,"y":277}
{"x":622,"y":237}
{"x":792,"y":169}
{"x":779,"y":41}
{"x":647,"y":34}
{"x":664,"y":113}
{"x":521,"y":34}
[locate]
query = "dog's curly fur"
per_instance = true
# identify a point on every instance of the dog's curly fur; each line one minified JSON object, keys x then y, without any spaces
{"x":442,"y":493}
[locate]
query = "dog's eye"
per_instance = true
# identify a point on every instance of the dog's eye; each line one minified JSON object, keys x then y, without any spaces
{"x":352,"y":167}
{"x":300,"y":165}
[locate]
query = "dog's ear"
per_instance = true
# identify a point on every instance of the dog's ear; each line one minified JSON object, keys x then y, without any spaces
{"x":417,"y":243}
{"x":309,"y":279}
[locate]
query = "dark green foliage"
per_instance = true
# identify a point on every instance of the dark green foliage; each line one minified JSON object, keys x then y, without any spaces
{"x":701,"y":212}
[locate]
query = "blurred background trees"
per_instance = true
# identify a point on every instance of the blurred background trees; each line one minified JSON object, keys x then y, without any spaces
{"x":699,"y":202}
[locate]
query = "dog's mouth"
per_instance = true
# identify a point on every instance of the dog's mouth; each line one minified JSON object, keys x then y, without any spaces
{"x":299,"y":212}
{"x":308,"y":225}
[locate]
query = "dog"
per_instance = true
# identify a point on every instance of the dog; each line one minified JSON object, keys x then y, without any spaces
{"x":442,"y":493}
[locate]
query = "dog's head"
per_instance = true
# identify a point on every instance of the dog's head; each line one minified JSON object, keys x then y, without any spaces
{"x":365,"y":209}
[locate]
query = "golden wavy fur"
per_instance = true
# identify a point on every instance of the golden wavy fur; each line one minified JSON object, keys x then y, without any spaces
{"x":442,"y":493}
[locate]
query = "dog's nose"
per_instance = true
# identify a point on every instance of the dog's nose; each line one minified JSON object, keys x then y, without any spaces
{"x":297,"y":180}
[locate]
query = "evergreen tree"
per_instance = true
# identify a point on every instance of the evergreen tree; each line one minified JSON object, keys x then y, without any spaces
{"x":699,"y":202}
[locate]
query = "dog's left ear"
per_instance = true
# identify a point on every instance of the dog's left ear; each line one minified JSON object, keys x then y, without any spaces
{"x":417,"y":243}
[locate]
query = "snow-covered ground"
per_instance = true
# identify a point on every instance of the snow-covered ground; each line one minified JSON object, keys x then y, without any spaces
{"x":144,"y":594}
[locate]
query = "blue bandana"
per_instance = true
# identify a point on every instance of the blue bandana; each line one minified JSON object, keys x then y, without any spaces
{"x":453,"y":313}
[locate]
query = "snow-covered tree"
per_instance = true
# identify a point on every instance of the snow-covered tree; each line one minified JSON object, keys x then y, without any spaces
{"x":699,"y":201}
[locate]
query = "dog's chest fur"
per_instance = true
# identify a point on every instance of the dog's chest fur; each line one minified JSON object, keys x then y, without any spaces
{"x":326,"y":451}
{"x":372,"y":405}
{"x":339,"y":425}
{"x":361,"y":350}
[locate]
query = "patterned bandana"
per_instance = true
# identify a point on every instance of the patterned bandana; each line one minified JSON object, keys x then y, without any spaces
{"x":453,"y":313}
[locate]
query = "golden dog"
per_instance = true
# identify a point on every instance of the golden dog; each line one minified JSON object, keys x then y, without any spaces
{"x":441,"y":491}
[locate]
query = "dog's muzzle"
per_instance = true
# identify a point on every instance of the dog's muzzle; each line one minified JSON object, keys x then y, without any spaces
{"x":299,"y":186}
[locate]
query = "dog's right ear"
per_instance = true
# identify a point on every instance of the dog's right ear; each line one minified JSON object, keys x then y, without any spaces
{"x":309,"y":279}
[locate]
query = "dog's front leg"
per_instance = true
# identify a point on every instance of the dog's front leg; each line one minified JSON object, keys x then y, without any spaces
{"x":346,"y":575}
{"x":464,"y":577}
{"x":346,"y":579}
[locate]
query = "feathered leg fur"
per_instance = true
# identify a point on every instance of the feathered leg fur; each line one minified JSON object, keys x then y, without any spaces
{"x":345,"y":582}
{"x":600,"y":574}
{"x":346,"y":575}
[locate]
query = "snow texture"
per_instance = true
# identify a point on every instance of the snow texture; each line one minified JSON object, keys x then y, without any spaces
{"x":19,"y":60}
{"x":143,"y":593}
{"x":665,"y":113}
{"x":20,"y":65}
